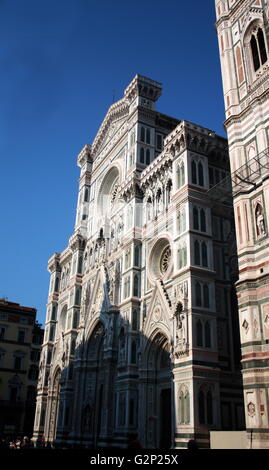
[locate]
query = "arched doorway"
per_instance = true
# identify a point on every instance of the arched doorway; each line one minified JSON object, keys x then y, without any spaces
{"x":91,"y":413}
{"x":159,"y":393}
{"x":54,"y":407}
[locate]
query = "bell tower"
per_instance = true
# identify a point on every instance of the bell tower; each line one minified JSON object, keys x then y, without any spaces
{"x":243,"y":35}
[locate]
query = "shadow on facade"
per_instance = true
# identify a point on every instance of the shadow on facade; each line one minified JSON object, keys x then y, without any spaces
{"x":117,"y":384}
{"x":109,"y":381}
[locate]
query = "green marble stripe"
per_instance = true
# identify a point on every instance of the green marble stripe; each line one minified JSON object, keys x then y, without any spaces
{"x":255,"y":364}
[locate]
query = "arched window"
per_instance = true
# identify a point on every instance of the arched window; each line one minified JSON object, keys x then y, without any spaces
{"x":75,"y":319}
{"x":198,"y":294}
{"x":142,"y":155}
{"x":195,"y":219}
{"x":203,"y":220}
{"x":86,"y":195}
{"x":147,"y":156}
{"x":200,"y":174}
{"x":255,"y":53}
{"x":199,"y":333}
{"x":207,"y":335}
{"x":209,"y":407}
{"x":133,"y":352}
{"x":206,"y":295}
{"x":77,"y":297}
{"x":193,"y":172}
{"x":142,"y":134}
{"x":257,"y":48}
{"x":137,"y":256}
{"x":197,"y":259}
{"x":180,"y":174}
{"x":135,"y":320}
{"x":204,"y":255}
{"x":54,"y":312}
{"x":201,"y":404}
{"x":57,"y":284}
{"x":180,"y":260}
{"x":80,"y":264}
{"x":52,"y":333}
{"x":49,"y":356}
{"x":136,"y":286}
{"x":73,"y":347}
{"x":184,"y":250}
{"x":148,"y":136}
{"x":46,"y":382}
{"x":121,"y":409}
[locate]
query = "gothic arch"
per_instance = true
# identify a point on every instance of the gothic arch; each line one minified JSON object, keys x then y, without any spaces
{"x":54,"y":401}
{"x":62,"y":320}
{"x":91,"y":330}
{"x":107,"y":190}
{"x":158,"y":391}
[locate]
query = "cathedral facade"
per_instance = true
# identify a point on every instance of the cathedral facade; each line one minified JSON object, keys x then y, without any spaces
{"x":141,"y":328}
{"x":243,"y":32}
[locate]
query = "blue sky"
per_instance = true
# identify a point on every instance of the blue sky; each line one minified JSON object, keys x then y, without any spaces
{"x":61,"y":63}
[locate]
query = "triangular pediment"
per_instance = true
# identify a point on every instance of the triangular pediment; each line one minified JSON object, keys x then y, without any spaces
{"x":113,"y":121}
{"x":99,"y":300}
{"x":159,"y":313}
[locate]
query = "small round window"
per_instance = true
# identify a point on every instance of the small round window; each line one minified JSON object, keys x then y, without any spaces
{"x":160,"y":260}
{"x":165,"y":260}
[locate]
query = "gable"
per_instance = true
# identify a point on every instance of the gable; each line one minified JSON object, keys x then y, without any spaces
{"x":159,"y":313}
{"x":112,"y":125}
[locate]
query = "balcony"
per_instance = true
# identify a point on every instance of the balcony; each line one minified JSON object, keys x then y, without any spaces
{"x":243,"y":180}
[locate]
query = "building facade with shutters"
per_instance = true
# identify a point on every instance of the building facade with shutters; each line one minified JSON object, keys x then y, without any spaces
{"x":243,"y":32}
{"x":141,"y":329}
{"x":20,"y":343}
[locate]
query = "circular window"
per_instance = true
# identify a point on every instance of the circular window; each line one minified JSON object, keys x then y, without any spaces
{"x":165,"y":260}
{"x":160,"y":260}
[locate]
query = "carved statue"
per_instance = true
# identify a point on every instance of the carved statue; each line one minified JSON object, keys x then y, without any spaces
{"x":260,"y":220}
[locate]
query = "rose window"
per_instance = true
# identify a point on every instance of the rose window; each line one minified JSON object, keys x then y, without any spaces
{"x":165,"y":260}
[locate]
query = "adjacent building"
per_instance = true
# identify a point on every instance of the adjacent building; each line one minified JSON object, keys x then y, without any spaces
{"x":141,"y":329}
{"x":20,"y":343}
{"x":243,"y":33}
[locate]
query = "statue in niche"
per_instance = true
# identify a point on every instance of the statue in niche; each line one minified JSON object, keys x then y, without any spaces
{"x":110,"y":287}
{"x":251,"y":409}
{"x":180,"y":345}
{"x":259,"y":217}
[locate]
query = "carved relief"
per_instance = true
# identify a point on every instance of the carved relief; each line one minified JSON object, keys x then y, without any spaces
{"x":251,"y":409}
{"x":265,"y":314}
{"x":245,"y":325}
{"x":259,"y":218}
{"x":157,"y":313}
